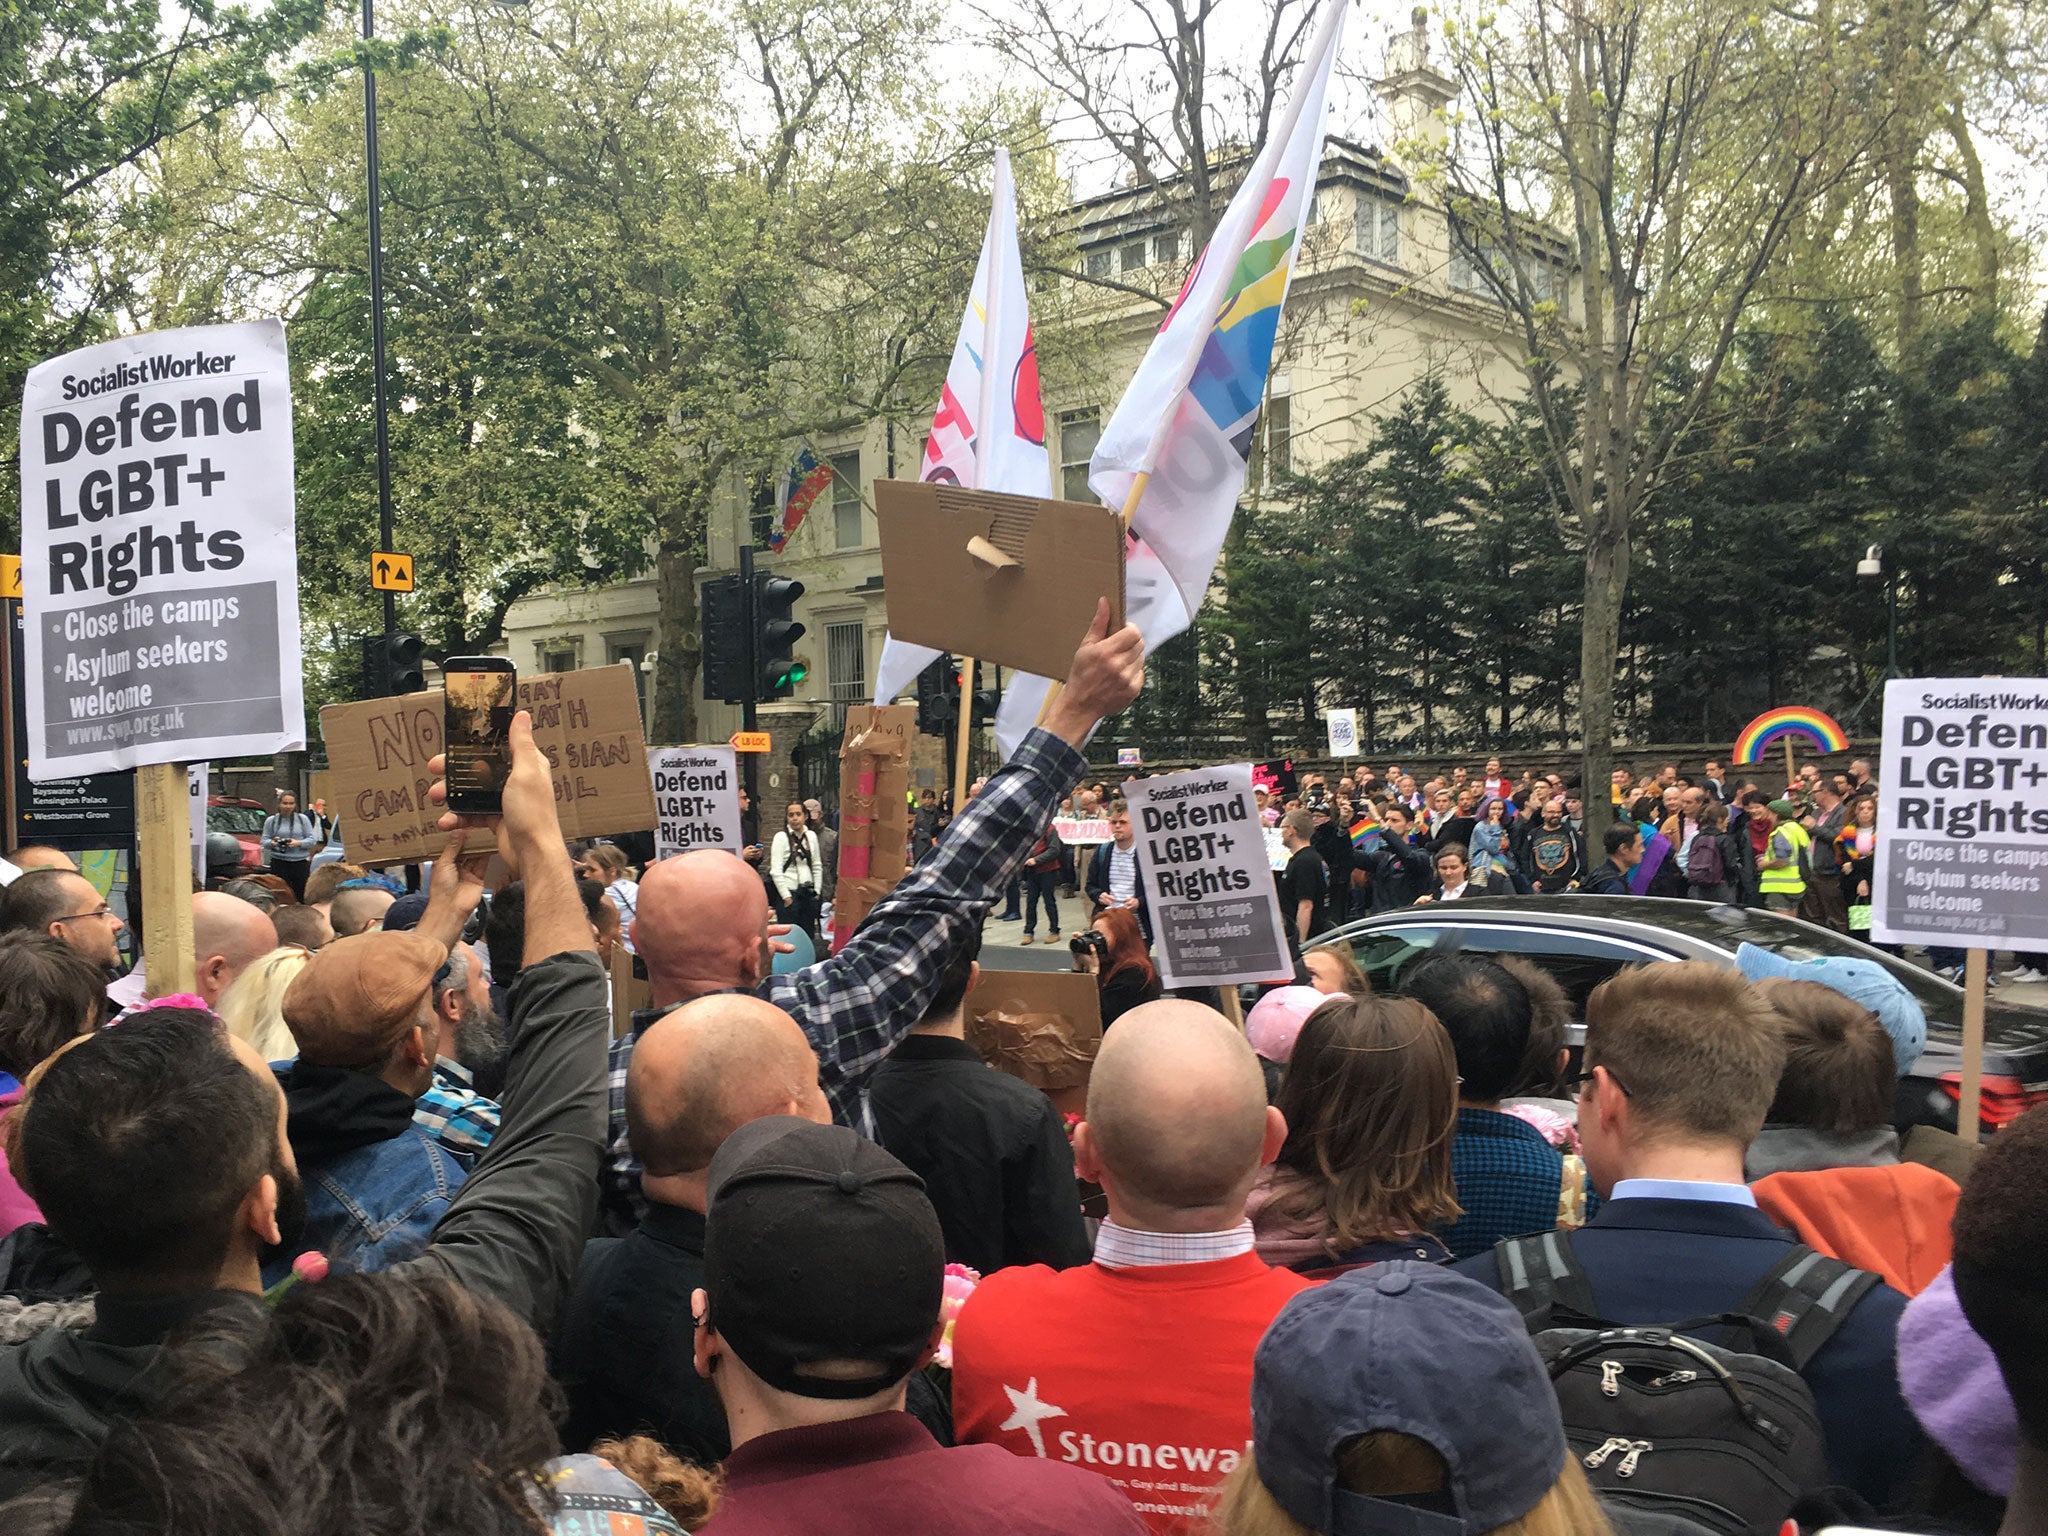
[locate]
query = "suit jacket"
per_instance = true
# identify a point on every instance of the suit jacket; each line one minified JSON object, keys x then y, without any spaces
{"x":1097,"y":886}
{"x":1666,"y":1261}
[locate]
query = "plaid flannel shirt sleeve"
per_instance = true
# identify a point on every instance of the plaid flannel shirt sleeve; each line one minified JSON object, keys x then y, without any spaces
{"x":619,"y":1186}
{"x":460,"y":1118}
{"x":859,"y":1003}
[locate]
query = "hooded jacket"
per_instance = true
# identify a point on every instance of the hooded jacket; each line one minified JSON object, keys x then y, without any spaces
{"x":1892,"y":1221}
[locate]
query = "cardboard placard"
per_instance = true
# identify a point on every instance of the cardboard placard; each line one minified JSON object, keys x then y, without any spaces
{"x":1029,"y":609}
{"x":1042,"y":1027}
{"x":874,"y":810}
{"x":587,"y":724}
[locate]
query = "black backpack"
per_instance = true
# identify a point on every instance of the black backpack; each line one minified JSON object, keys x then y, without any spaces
{"x":1676,"y":1433}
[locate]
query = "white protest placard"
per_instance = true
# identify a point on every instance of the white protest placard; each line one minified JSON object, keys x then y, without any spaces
{"x":159,"y":552}
{"x":1071,"y":829}
{"x":1962,"y":818}
{"x":1215,"y":911}
{"x":1343,"y":728}
{"x":696,"y":799}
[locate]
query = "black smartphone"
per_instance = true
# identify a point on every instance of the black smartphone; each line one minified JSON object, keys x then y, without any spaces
{"x":481,"y":692}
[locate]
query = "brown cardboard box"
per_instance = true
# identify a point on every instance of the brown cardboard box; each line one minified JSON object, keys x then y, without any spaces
{"x":587,"y":723}
{"x":874,"y":812}
{"x":1043,"y":1027}
{"x":1029,"y":613}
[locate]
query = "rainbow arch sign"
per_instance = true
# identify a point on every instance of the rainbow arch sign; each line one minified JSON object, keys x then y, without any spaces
{"x":1794,"y":720}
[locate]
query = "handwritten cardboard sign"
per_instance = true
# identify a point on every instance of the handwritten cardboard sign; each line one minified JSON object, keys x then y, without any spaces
{"x":586,"y":723}
{"x":874,"y":810}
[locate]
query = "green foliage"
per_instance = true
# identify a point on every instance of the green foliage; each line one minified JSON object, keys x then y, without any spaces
{"x":92,"y":86}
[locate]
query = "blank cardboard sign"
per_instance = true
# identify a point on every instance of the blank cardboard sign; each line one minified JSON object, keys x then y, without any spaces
{"x":1022,"y":597}
{"x":586,"y":723}
{"x":1042,"y":1026}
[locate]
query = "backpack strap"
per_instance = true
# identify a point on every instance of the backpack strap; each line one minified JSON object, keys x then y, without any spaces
{"x":1541,"y":1275}
{"x":1805,"y":1298}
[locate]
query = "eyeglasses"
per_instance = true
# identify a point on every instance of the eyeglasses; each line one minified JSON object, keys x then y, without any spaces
{"x":1579,"y":1081}
{"x":79,"y":917}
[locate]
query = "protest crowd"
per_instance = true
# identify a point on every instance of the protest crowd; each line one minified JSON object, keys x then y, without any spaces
{"x":381,"y":1229}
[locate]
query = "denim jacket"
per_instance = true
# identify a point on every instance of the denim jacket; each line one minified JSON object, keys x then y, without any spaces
{"x":375,"y":1182}
{"x":374,"y":1207}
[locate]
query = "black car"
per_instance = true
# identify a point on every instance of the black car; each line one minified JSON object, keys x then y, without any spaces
{"x":1583,"y":940}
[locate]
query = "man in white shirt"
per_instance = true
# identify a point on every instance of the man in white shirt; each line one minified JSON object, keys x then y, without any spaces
{"x":1113,"y":872}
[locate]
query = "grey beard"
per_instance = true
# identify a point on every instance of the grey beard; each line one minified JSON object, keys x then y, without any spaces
{"x":479,"y":1037}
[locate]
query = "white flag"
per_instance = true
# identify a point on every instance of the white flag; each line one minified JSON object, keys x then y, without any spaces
{"x":1188,"y":416}
{"x":989,"y":430}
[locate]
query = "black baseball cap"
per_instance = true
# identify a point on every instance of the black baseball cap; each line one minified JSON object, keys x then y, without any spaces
{"x":1419,"y":1351}
{"x":818,"y":1246}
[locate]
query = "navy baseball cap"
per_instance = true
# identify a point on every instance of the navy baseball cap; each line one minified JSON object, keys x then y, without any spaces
{"x":1411,"y":1349}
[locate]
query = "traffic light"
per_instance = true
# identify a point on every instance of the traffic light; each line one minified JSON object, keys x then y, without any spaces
{"x":722,"y":611}
{"x":776,"y":632}
{"x":391,"y":665}
{"x":986,"y":702}
{"x":938,"y":695}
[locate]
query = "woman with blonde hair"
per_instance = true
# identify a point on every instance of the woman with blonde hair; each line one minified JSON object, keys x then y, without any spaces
{"x":253,"y":1005}
{"x":1371,"y":1100}
{"x":1404,"y":1398}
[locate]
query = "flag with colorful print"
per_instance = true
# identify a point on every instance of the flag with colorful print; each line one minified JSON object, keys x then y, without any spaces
{"x":1364,"y":830}
{"x":1188,"y":416}
{"x":989,"y":430}
{"x":801,"y":486}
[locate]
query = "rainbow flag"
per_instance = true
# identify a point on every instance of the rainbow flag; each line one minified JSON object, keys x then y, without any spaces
{"x":1364,"y":830}
{"x":1187,"y":419}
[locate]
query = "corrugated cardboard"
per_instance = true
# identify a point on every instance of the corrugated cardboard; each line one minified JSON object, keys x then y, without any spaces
{"x":1031,"y":614}
{"x":587,"y":723}
{"x":874,"y":810}
{"x":1042,"y":1027}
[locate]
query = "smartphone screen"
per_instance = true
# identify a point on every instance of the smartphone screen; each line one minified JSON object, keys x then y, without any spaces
{"x":481,"y":693}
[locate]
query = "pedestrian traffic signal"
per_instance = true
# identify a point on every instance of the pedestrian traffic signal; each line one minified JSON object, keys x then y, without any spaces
{"x":392,"y":664}
{"x":986,"y":702}
{"x":938,"y":694}
{"x":776,"y":633}
{"x":723,"y":659}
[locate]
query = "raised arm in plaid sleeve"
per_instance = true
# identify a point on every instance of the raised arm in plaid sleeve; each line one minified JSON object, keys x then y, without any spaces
{"x":858,"y":1004}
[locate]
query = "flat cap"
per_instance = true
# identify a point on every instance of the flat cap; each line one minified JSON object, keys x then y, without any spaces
{"x":351,"y":1003}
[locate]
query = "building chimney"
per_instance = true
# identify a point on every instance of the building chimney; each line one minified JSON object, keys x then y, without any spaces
{"x":1413,"y":91}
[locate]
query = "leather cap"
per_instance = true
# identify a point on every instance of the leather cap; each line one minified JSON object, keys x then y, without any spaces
{"x":353,"y":1001}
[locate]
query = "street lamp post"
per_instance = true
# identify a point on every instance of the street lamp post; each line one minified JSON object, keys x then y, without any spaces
{"x":384,"y":519}
{"x":1869,"y":568}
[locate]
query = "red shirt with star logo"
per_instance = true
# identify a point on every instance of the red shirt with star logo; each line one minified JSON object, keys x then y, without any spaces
{"x":1143,"y":1374}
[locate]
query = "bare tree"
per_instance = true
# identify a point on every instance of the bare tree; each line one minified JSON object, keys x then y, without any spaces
{"x":1621,"y":180}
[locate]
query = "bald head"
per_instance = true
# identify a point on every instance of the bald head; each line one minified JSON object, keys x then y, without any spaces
{"x":701,"y":923}
{"x":38,"y":857}
{"x":227,"y":934}
{"x":701,"y":1072}
{"x":1177,"y":1116}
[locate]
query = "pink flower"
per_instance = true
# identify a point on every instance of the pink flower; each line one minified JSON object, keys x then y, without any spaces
{"x":310,"y":1266}
{"x":175,"y":1000}
{"x":960,"y":1282}
{"x":1555,"y":1129}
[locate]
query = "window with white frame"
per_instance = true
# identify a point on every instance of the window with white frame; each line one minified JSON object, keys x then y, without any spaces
{"x":1096,"y":262}
{"x":1080,"y":431}
{"x":1276,"y":429}
{"x":1131,"y":255}
{"x":1379,"y":227}
{"x":1166,"y":247}
{"x":846,"y":661}
{"x":846,"y":519}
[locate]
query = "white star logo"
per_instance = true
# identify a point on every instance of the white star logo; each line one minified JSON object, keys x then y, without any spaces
{"x":1028,"y":1412}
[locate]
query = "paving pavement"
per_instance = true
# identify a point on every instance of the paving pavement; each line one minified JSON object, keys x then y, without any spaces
{"x":1002,"y":946}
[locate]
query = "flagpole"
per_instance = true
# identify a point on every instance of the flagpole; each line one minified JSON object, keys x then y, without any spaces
{"x":1123,"y":522}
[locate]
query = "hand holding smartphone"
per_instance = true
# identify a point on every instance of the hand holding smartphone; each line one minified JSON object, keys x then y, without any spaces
{"x":480,"y":693}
